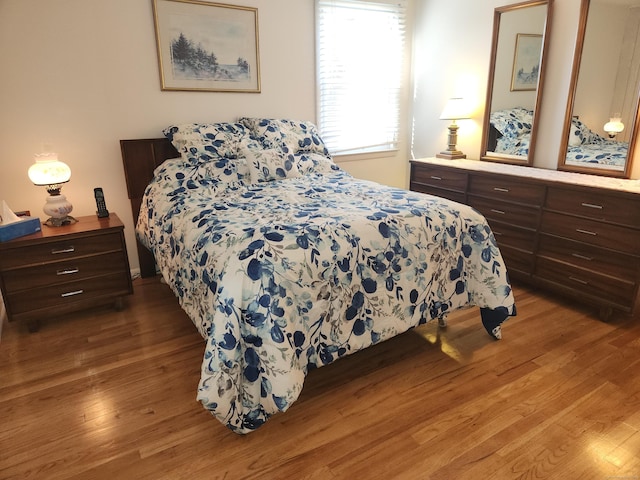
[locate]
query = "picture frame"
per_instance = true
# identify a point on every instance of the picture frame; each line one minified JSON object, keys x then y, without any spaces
{"x":526,"y":62}
{"x":208,"y":47}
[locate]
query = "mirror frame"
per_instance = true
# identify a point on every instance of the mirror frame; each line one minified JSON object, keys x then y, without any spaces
{"x":497,"y":15}
{"x":564,"y":141}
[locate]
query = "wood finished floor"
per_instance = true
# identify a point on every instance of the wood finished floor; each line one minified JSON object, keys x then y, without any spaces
{"x":111,"y":395}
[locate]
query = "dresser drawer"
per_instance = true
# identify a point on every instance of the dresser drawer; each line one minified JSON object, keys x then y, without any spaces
{"x":508,"y":235}
{"x":438,"y":177}
{"x":517,"y":261}
{"x":589,"y":257}
{"x":591,"y":232}
{"x":63,"y":271}
{"x":587,"y":283}
{"x":595,"y":205}
{"x":504,"y":212}
{"x":507,"y":189}
{"x":439,"y":192}
{"x":67,"y":293}
{"x":60,"y":250}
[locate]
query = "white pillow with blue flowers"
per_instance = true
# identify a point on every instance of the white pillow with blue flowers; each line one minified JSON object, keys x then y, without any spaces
{"x":266,"y":165}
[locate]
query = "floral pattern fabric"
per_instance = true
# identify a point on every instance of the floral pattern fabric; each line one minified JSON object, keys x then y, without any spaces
{"x":285,"y":276}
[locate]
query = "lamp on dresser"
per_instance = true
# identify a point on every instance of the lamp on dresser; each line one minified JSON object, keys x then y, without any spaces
{"x":51,"y":173}
{"x":455,"y":109}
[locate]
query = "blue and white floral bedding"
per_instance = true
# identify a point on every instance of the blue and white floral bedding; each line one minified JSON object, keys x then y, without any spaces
{"x":285,"y":272}
{"x":590,"y":149}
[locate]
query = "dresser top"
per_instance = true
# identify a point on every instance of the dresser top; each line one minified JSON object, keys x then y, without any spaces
{"x":620,"y":184}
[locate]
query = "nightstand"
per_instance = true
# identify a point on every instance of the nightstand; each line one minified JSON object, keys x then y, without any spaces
{"x":64,"y":269}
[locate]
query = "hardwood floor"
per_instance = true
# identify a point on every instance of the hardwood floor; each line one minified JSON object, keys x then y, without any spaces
{"x":112,"y":395}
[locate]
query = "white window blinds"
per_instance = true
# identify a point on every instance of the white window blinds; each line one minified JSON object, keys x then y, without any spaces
{"x":360,"y":55}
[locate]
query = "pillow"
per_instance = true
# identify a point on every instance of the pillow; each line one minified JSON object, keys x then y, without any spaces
{"x":309,"y":163}
{"x":580,"y":133}
{"x":223,"y":138}
{"x":512,"y":122}
{"x":270,"y":164}
{"x":291,"y":135}
{"x":213,"y":167}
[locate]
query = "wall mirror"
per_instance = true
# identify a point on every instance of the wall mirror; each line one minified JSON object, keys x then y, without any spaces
{"x":516,"y":77}
{"x":601,"y":122}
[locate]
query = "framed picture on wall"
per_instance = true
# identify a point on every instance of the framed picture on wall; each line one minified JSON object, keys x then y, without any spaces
{"x":526,"y":62}
{"x":203,"y":46}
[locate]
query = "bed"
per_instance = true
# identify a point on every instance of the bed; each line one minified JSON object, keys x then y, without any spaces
{"x":285,"y":263}
{"x":510,"y":134}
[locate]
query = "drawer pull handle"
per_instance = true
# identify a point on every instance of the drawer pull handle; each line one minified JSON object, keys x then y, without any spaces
{"x":63,"y":250}
{"x":497,"y":234}
{"x":435,"y":177}
{"x":500,"y":189}
{"x":592,"y":205}
{"x":68,"y":271}
{"x":500,"y":212}
{"x":72,"y":294}
{"x":586,"y":232}
{"x":582,"y":257}
{"x":579,"y":280}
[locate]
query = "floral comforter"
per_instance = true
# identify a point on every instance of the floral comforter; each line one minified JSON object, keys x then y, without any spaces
{"x":284,"y":276}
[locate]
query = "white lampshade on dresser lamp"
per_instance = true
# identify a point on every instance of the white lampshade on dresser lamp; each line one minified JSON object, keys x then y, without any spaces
{"x":51,"y":173}
{"x":455,"y":109}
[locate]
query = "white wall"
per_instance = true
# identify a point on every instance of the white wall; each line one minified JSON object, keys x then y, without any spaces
{"x":83,"y":74}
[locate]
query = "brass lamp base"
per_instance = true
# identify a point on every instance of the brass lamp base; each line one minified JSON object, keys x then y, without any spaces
{"x":451,"y":155}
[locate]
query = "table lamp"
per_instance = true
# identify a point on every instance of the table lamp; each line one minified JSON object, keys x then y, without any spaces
{"x":51,"y":173}
{"x":455,"y":109}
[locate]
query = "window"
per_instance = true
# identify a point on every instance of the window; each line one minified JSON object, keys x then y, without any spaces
{"x":360,"y":55}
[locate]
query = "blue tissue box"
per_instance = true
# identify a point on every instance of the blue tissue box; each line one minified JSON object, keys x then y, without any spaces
{"x":26,"y":226}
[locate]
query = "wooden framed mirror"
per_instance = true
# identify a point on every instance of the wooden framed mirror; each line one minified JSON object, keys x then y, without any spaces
{"x":605,"y":86}
{"x":516,"y":77}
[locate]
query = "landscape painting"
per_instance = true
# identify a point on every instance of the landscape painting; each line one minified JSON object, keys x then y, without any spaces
{"x":207,"y":46}
{"x":526,"y":62}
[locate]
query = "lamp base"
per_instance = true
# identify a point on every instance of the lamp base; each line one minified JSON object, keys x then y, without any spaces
{"x":451,"y":155}
{"x":59,"y":222}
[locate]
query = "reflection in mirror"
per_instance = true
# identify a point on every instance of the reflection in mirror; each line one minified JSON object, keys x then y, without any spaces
{"x":516,"y":75}
{"x":601,"y":119}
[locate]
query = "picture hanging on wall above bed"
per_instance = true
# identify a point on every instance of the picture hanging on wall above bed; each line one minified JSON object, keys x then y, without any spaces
{"x":209,"y":47}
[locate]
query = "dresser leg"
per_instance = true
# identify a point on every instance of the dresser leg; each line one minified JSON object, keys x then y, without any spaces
{"x":33,"y":326}
{"x":605,"y":314}
{"x":119,"y":304}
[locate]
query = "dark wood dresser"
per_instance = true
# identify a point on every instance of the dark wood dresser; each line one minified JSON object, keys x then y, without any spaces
{"x":63,"y":269}
{"x":573,"y":234}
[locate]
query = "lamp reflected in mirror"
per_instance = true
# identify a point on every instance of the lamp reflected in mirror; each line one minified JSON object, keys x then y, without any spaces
{"x":456,"y":109}
{"x":614,"y":126}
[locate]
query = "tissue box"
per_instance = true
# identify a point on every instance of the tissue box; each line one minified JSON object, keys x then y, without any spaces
{"x":25,"y":226}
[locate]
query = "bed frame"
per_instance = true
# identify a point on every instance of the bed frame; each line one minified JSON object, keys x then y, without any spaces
{"x":140,"y":158}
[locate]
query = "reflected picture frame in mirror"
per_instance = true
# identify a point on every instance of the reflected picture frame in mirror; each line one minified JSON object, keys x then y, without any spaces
{"x":606,"y":41}
{"x":510,"y":120}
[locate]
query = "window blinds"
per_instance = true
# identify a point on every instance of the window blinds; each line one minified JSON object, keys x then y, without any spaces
{"x":360,"y":58}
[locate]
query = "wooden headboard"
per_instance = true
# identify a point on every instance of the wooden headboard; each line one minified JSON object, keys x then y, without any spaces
{"x":140,"y":158}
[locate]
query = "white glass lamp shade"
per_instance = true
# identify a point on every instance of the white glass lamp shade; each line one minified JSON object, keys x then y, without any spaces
{"x":456,"y":109}
{"x":614,"y":126}
{"x":48,"y":170}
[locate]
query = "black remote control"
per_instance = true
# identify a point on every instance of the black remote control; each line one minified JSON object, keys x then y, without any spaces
{"x":100,"y":203}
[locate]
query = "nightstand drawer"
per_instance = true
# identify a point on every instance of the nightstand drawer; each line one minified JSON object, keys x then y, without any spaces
{"x":66,"y":293}
{"x":608,"y":208}
{"x":63,"y":271}
{"x":60,"y":250}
